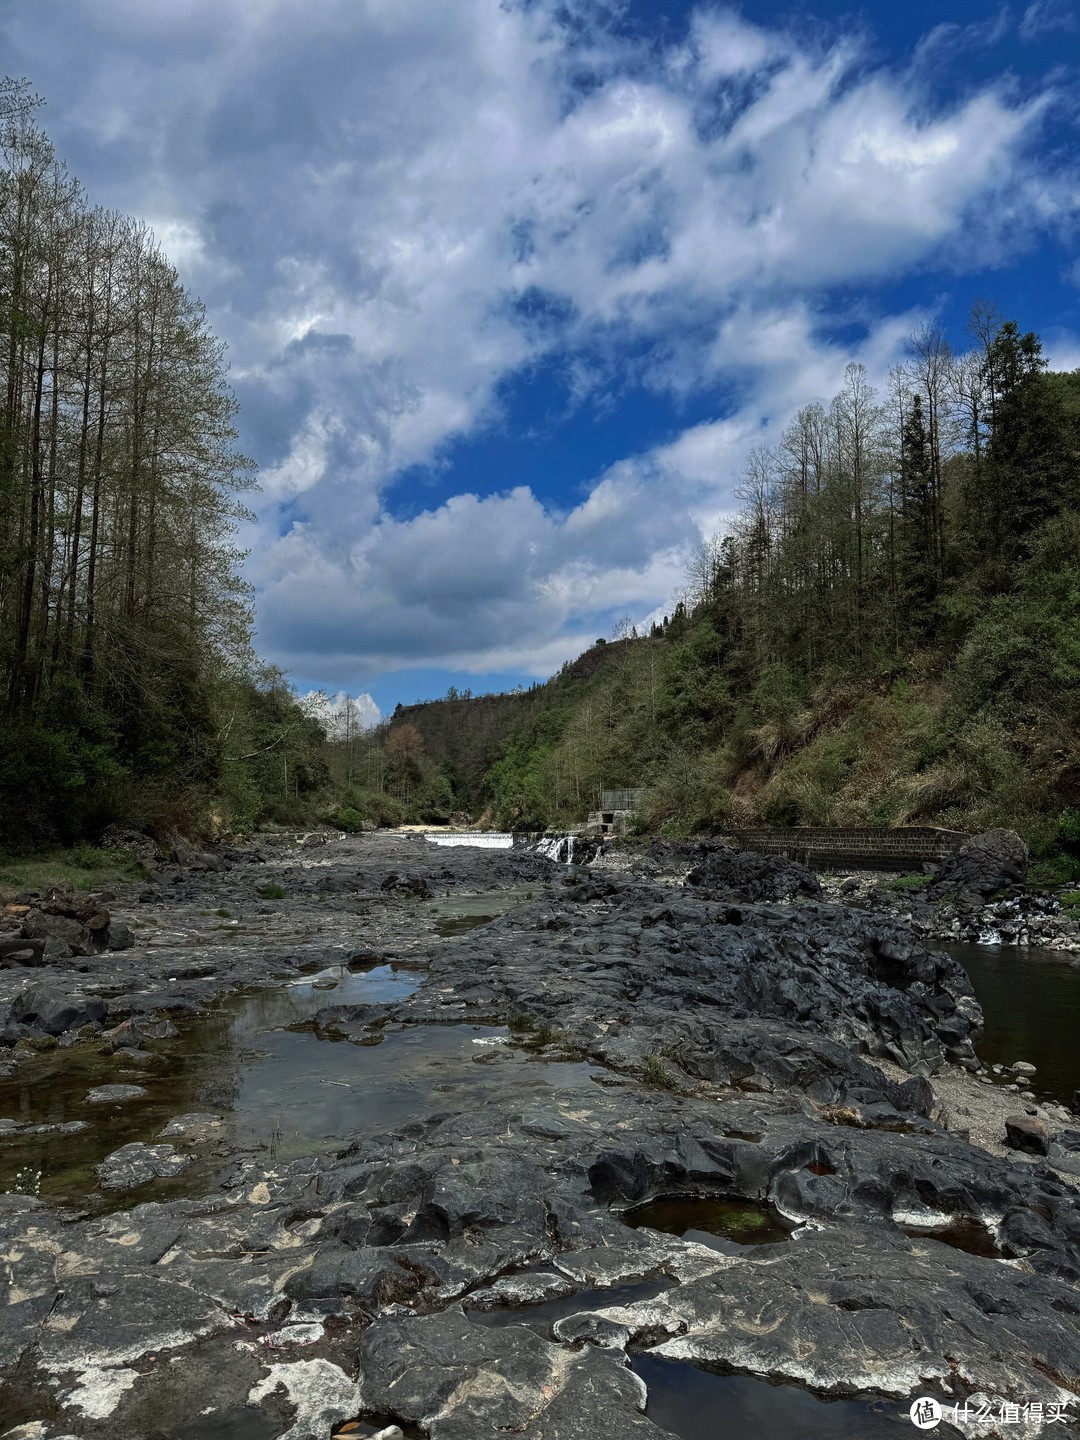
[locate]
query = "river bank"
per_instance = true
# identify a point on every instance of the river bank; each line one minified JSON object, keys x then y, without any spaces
{"x":506,"y":1095}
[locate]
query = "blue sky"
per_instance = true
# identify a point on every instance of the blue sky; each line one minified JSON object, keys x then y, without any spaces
{"x":512,"y":289}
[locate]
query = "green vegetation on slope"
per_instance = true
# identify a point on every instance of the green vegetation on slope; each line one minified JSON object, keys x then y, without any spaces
{"x":889,"y":633}
{"x":127,"y":688}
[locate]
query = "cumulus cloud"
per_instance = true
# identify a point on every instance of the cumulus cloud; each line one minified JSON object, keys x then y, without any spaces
{"x":342,"y":715}
{"x":395,"y":208}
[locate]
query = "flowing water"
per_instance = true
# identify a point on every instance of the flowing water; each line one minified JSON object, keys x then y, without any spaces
{"x":1031,"y":1004}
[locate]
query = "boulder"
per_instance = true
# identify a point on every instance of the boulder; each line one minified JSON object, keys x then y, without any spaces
{"x":55,"y":1011}
{"x":21,"y":959}
{"x":118,"y":936}
{"x":40,"y":925}
{"x":136,"y":1164}
{"x":414,"y":885}
{"x":192,"y":859}
{"x":982,"y":865}
{"x":746,"y":875}
{"x":1026,"y":1133}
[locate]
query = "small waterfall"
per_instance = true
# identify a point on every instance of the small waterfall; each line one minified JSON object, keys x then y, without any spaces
{"x":492,"y":840}
{"x":559,"y":848}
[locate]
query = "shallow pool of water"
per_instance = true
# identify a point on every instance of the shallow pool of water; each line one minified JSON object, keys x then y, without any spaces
{"x":971,"y":1236}
{"x":1031,"y":1004}
{"x":282,"y":1093}
{"x":458,"y":914}
{"x":696,"y":1404}
{"x":724,"y":1225}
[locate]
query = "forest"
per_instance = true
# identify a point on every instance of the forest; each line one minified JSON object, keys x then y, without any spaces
{"x":887,"y":633}
{"x":129,"y":693}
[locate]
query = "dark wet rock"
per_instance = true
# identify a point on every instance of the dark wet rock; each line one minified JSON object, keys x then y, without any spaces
{"x":747,"y":875}
{"x":984,"y":864}
{"x":114,"y":1094}
{"x":846,"y":1308}
{"x":137,"y":1163}
{"x":119,"y":936}
{"x":11,"y":945}
{"x":54,"y":1011}
{"x":733,"y":1040}
{"x":193,"y":859}
{"x":156,"y":1027}
{"x":630,"y":970}
{"x":1022,"y":1132}
{"x":22,"y":956}
{"x":414,"y":885}
{"x":458,"y":1380}
{"x":125,"y":1035}
{"x":41,"y":926}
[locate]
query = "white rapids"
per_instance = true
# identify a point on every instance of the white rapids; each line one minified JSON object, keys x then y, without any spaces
{"x":490,"y":841}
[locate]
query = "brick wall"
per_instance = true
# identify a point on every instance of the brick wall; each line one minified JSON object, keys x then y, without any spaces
{"x":866,"y":849}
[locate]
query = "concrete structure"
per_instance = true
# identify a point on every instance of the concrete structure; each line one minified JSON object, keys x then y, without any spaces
{"x":616,"y":807}
{"x":819,"y":848}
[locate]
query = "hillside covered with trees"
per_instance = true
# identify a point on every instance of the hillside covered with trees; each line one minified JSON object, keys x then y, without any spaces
{"x":128,"y":690}
{"x":888,"y":633}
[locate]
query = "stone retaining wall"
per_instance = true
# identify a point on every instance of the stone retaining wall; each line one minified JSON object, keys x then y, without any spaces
{"x":856,"y":849}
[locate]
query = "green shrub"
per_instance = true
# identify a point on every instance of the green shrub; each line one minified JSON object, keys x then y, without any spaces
{"x":1068,"y":829}
{"x":910,"y":882}
{"x":1053,"y":871}
{"x":349,"y":820}
{"x":270,"y":892}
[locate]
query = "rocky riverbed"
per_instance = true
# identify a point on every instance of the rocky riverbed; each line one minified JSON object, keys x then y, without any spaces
{"x":455,"y":1246}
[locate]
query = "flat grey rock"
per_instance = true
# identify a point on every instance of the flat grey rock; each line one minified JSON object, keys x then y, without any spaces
{"x":109,"y":1094}
{"x":138,"y":1163}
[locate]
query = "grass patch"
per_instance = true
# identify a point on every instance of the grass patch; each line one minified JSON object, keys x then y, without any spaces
{"x":83,"y":867}
{"x":910,"y":882}
{"x":657,"y":1073}
{"x":521,"y":1024}
{"x":223,"y":913}
{"x":1054,"y":871}
{"x":1070,"y":903}
{"x":545,"y":1033}
{"x":270,"y":892}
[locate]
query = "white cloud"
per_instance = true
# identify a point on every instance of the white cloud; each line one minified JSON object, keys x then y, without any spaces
{"x":394,"y":207}
{"x":342,"y":715}
{"x":1045,"y":16}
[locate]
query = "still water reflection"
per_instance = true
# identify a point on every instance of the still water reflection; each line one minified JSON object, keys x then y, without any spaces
{"x":1031,"y":1004}
{"x":281,"y":1093}
{"x":695,"y":1404}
